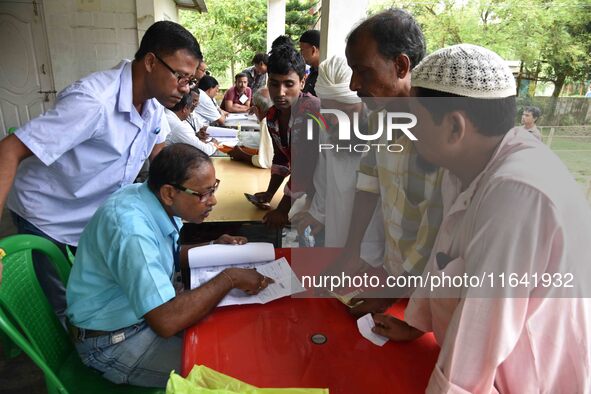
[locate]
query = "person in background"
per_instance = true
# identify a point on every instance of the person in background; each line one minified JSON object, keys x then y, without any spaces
{"x":123,"y":311}
{"x":262,"y":156}
{"x":529,"y":118}
{"x":60,"y":167}
{"x":257,"y":73}
{"x":207,"y":111}
{"x":201,"y":71}
{"x":512,"y":208}
{"x":237,"y":98}
{"x":294,"y":154}
{"x":336,"y":171}
{"x":310,"y":49}
{"x":181,"y":130}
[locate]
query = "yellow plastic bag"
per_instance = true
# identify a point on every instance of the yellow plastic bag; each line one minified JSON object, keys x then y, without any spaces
{"x":203,"y":380}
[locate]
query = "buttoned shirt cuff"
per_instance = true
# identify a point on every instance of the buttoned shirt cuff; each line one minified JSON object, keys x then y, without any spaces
{"x":367,"y":183}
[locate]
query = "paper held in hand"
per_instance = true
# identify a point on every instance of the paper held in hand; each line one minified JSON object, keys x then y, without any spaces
{"x":206,"y":262}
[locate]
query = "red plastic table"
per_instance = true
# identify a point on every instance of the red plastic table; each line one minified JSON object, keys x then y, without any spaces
{"x":270,"y":346}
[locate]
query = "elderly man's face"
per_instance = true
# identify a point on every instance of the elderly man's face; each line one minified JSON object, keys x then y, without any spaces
{"x":373,"y":74}
{"x":285,"y":89}
{"x":190,"y":207}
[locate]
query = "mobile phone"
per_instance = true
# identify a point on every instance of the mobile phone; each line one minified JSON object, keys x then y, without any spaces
{"x":255,"y":201}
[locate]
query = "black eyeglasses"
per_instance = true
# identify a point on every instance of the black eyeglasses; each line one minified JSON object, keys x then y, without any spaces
{"x":203,"y":197}
{"x":182,"y":79}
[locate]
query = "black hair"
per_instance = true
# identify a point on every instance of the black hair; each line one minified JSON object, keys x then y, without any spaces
{"x":282,"y":40}
{"x":491,"y":117}
{"x":173,"y":165}
{"x":311,"y":37}
{"x":240,"y":75}
{"x":185,"y":102}
{"x":165,"y":37}
{"x":260,"y":57}
{"x":534,"y":111}
{"x":396,"y":32}
{"x":285,"y":58}
{"x":207,"y":82}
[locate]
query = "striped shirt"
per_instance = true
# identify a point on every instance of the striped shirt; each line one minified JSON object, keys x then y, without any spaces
{"x":411,"y":203}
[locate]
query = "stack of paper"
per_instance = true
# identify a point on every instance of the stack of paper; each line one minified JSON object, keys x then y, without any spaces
{"x":206,"y":262}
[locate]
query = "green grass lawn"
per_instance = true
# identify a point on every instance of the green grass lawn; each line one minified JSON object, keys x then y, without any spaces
{"x":575,"y":151}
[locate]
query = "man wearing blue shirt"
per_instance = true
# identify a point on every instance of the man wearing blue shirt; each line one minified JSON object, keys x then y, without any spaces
{"x":123,"y":310}
{"x":65,"y":163}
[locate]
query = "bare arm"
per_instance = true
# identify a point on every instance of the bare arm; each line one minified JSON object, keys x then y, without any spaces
{"x":363,"y":208}
{"x":189,"y":307}
{"x":12,"y":152}
{"x":235,"y":107}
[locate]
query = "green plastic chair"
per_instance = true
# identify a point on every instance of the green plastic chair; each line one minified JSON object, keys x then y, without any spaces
{"x":29,"y":321}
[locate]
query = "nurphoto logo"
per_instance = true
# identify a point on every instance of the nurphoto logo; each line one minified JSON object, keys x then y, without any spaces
{"x":386,"y":121}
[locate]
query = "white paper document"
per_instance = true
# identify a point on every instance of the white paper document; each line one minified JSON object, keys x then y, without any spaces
{"x":286,"y":283}
{"x":237,"y":117}
{"x":228,"y":141}
{"x":217,"y":255}
{"x":365,"y":324}
{"x":217,"y":132}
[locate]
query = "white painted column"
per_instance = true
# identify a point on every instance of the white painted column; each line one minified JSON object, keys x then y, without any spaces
{"x":275,"y":20}
{"x":337,"y":20}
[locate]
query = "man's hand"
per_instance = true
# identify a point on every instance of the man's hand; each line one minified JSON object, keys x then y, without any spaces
{"x":230,"y":240}
{"x":248,"y":280}
{"x":202,"y":134}
{"x":276,"y":219}
{"x":303,"y":220}
{"x":395,"y":329}
{"x":364,"y":305}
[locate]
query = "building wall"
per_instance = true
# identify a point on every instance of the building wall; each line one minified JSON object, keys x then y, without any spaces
{"x":165,"y":10}
{"x":88,"y":35}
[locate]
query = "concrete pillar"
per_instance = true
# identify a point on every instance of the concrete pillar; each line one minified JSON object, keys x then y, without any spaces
{"x":337,"y":20}
{"x":275,"y":20}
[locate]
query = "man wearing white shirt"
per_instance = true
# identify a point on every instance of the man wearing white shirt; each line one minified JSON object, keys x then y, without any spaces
{"x":207,"y":111}
{"x":181,"y":130}
{"x":65,"y":163}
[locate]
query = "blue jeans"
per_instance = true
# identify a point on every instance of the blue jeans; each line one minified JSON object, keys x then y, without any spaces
{"x":47,"y":276}
{"x":134,"y":355}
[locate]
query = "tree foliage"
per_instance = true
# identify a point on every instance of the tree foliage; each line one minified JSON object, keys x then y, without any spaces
{"x":232,"y":31}
{"x":552,"y":38}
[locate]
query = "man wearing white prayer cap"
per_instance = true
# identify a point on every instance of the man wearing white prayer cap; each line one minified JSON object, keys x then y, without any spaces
{"x":512,"y":210}
{"x":335,"y":174}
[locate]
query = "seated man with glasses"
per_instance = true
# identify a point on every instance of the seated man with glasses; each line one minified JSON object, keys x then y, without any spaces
{"x":60,"y":167}
{"x":123,"y":311}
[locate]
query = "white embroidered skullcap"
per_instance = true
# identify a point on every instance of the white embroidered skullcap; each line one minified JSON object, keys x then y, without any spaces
{"x":465,"y":70}
{"x":334,"y":76}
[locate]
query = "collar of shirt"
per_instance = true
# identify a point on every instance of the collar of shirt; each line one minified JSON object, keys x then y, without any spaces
{"x":125,"y":97}
{"x":161,"y":218}
{"x":510,"y":142}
